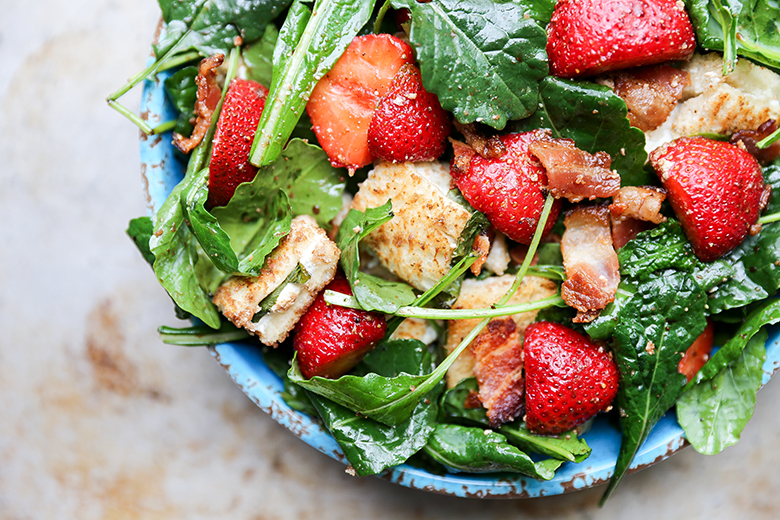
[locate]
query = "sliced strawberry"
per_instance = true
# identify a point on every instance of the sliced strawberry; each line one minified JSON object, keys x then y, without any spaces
{"x":569,"y":378}
{"x":714,"y":188}
{"x":587,"y":37}
{"x":409,"y":124}
{"x":698,"y":353}
{"x":509,"y":190}
{"x":236,"y":128}
{"x":344,"y":100}
{"x":329,"y":340}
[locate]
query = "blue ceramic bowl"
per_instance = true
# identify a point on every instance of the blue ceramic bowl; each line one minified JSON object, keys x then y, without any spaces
{"x":161,"y":171}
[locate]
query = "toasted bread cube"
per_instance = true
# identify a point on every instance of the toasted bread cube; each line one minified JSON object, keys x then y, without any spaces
{"x":477,"y":294}
{"x":240,"y":296}
{"x":417,"y":245}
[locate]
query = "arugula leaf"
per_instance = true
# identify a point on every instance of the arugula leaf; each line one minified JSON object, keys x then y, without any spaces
{"x":714,"y":412}
{"x":749,"y":28}
{"x":596,"y":118}
{"x":182,"y":91}
{"x":200,"y":336}
{"x":211,"y":26}
{"x":562,"y":447}
{"x":310,"y":42}
{"x":369,"y":445}
{"x":258,"y":56}
{"x":278,"y":360}
{"x":299,"y":276}
{"x":482,"y":58}
{"x":373,"y":293}
{"x":140,"y":230}
{"x":476,"y":450}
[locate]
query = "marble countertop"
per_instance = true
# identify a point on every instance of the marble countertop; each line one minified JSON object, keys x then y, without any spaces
{"x":100,"y":420}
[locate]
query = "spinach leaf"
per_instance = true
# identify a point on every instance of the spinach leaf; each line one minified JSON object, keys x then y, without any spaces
{"x":369,"y":445}
{"x":201,"y":336}
{"x":482,"y":58}
{"x":663,"y":247}
{"x":182,"y":91}
{"x":310,"y":42}
{"x":562,"y":447}
{"x":211,"y":26}
{"x":258,"y":56}
{"x":140,"y":231}
{"x":714,"y":412}
{"x":596,"y":118}
{"x":177,"y":257}
{"x":749,"y":28}
{"x":767,"y":313}
{"x":373,"y":293}
{"x":476,"y":450}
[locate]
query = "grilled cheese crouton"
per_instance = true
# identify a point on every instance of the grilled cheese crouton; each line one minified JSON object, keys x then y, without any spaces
{"x":239,"y":298}
{"x":415,"y":328}
{"x":476,"y":294}
{"x":418,"y":243}
{"x":713,"y":103}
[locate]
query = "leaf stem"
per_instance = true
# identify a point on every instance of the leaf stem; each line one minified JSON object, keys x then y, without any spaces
{"x":201,"y":336}
{"x":768,"y":219}
{"x":176,"y":61}
{"x":163,"y":127}
{"x":134,"y":118}
{"x":381,"y":16}
{"x":774,"y":136}
{"x":343,"y":300}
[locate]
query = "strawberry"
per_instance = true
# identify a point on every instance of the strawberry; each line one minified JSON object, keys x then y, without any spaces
{"x":409,"y":124}
{"x":587,"y":37}
{"x":329,"y":340}
{"x":569,"y":378}
{"x":698,"y":353}
{"x":236,"y":127}
{"x":509,"y":189}
{"x":714,"y":188}
{"x":343,"y":102}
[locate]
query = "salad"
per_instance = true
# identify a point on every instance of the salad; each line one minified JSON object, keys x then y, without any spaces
{"x":459,"y":230}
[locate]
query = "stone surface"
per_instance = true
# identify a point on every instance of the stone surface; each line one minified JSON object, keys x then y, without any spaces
{"x":100,"y":420}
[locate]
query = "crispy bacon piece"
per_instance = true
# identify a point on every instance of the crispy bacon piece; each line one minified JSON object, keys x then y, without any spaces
{"x":651,"y":93}
{"x":498,"y":356}
{"x":750,"y":139}
{"x":590,"y":261}
{"x":488,"y":147}
{"x":639,"y":202}
{"x":481,"y":245}
{"x":575,"y":174}
{"x":461,"y":159}
{"x":207,"y":98}
{"x":626,"y":229}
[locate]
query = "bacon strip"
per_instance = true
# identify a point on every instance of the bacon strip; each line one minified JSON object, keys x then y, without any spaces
{"x":639,"y":202}
{"x":651,"y":93}
{"x":488,"y":147}
{"x":575,"y":174}
{"x":206,"y":102}
{"x":750,"y":139}
{"x":498,"y":356}
{"x":590,"y":261}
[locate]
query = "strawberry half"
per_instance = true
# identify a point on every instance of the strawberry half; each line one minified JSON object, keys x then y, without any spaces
{"x":715,"y":189}
{"x":343,"y":102}
{"x":568,"y":378}
{"x":509,"y":190}
{"x":236,"y":128}
{"x":329,"y":340}
{"x":698,"y":353}
{"x":409,"y":124}
{"x":587,"y":37}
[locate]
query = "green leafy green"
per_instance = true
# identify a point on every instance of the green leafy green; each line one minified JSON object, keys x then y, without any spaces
{"x":140,"y":230}
{"x":259,"y":56}
{"x":562,"y":447}
{"x":176,"y":254}
{"x":310,"y":42}
{"x":482,"y":58}
{"x":200,"y":336}
{"x":212,"y":26}
{"x":372,"y":292}
{"x":299,"y":275}
{"x":766,"y":313}
{"x":369,"y":445}
{"x":714,"y":412}
{"x":749,"y":28}
{"x":596,"y":118}
{"x":476,"y":450}
{"x":182,"y":91}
